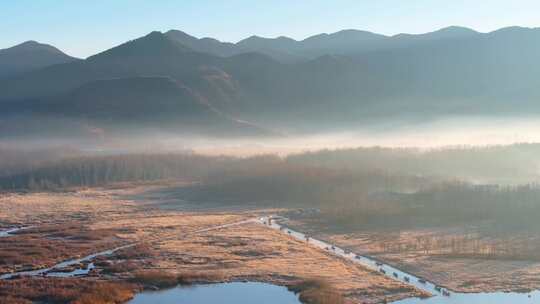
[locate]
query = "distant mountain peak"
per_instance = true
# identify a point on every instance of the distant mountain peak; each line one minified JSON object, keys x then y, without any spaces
{"x":513,"y":29}
{"x":28,"y":43}
{"x":284,"y":38}
{"x":457,"y":28}
{"x":154,"y":33}
{"x":205,"y":45}
{"x":356,"y":33}
{"x":456,"y":31}
{"x":343,"y":78}
{"x":450,"y":32}
{"x":179,"y":34}
{"x":255,"y":38}
{"x":30,"y":55}
{"x":153,"y":44}
{"x":32,"y":45}
{"x":340,"y":42}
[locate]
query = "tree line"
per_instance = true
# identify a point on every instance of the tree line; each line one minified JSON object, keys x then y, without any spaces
{"x":348,"y":198}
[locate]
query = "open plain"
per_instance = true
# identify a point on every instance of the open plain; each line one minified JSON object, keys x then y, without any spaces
{"x":454,"y":258}
{"x":167,"y":247}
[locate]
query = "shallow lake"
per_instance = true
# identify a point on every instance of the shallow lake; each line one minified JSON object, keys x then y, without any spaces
{"x":227,"y":293}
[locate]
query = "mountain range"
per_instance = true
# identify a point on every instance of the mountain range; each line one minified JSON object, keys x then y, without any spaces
{"x":175,"y":81}
{"x":288,"y":50}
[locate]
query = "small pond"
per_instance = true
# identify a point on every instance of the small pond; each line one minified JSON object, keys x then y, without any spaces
{"x":226,"y":293}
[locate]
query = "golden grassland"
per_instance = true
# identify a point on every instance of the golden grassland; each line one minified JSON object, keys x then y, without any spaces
{"x":255,"y":253}
{"x":172,"y":248}
{"x":451,"y":257}
{"x":44,"y":246}
{"x":58,"y":290}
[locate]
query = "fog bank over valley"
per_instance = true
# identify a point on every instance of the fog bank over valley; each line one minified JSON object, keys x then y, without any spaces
{"x":433,"y":134}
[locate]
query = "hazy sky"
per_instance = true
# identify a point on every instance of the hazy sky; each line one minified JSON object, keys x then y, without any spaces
{"x":84,"y":27}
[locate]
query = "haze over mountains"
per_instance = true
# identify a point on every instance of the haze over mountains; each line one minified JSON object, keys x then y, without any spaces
{"x":343,"y":80}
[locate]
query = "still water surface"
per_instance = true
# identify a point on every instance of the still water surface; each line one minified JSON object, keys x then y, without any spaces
{"x":227,"y":293}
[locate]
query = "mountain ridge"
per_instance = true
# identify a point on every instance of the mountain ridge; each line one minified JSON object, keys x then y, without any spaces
{"x":30,"y":55}
{"x":289,"y":50}
{"x":453,"y":71}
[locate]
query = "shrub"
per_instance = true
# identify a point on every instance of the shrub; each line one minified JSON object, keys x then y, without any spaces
{"x":316,"y":291}
{"x":105,"y":294}
{"x":156,"y":278}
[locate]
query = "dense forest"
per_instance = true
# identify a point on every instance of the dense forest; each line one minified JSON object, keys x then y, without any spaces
{"x":18,"y":160}
{"x":88,"y":171}
{"x":352,"y":199}
{"x":490,"y":207}
{"x":369,"y":187}
{"x":503,"y":165}
{"x":509,"y":164}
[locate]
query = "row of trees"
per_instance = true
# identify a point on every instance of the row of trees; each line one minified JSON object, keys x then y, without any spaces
{"x":96,"y":171}
{"x":475,"y":245}
{"x":510,"y":164}
{"x":347,"y":198}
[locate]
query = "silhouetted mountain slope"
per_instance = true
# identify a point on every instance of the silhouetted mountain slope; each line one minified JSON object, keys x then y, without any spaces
{"x":137,"y":99}
{"x":153,"y":101}
{"x":451,"y":32}
{"x":29,"y":55}
{"x":150,"y":45}
{"x":287,"y":50}
{"x":478,"y":74}
{"x":344,"y":42}
{"x":282,"y":49}
{"x":130,"y":105}
{"x":227,"y":49}
{"x":452,"y":71}
{"x":151,"y":55}
{"x":73,"y":90}
{"x":204,"y":45}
